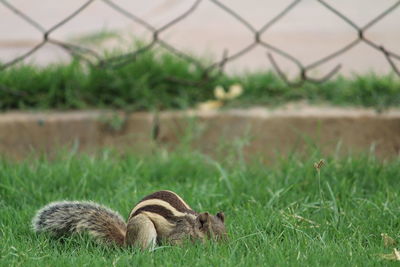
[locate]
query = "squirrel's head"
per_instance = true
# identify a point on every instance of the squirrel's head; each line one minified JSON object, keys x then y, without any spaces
{"x":203,"y":226}
{"x":211,"y":226}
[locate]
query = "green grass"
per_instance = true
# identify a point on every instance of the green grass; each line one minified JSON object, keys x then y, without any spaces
{"x":150,"y":82}
{"x":356,"y":201}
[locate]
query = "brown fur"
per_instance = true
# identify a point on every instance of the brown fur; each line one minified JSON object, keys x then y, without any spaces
{"x":63,"y":218}
{"x":161,"y":216}
{"x":173,"y":199}
{"x":141,"y":232}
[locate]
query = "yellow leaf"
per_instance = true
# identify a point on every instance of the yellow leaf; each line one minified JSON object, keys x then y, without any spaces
{"x":219,"y":93}
{"x":210,"y":105}
{"x":397,"y":254}
{"x":387,"y":240}
{"x":235,"y":90}
{"x":392,"y":256}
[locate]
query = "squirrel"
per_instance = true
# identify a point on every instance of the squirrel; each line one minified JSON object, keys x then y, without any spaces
{"x":162,"y":216}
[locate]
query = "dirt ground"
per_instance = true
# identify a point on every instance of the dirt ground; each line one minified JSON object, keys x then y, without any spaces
{"x":259,"y":131}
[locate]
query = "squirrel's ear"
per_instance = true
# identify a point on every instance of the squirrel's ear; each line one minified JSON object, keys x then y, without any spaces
{"x":220,"y":215}
{"x":203,"y":218}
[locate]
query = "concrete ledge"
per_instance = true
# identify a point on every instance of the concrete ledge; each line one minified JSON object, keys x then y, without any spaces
{"x":267,"y":131}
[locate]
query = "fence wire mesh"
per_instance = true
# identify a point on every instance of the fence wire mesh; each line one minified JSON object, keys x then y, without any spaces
{"x":216,"y":68}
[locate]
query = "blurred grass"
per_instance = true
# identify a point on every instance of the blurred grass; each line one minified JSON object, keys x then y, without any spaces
{"x":150,"y":82}
{"x":276,"y":215}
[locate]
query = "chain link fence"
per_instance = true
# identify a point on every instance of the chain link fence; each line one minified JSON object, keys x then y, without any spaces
{"x":214,"y":69}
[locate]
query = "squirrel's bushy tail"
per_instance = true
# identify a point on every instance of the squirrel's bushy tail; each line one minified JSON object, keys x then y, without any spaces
{"x":67,"y":217}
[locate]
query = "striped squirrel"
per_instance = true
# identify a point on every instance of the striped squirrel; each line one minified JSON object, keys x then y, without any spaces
{"x":160,"y":216}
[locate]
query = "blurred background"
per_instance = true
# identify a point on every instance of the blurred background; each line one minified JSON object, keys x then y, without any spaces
{"x":214,"y":55}
{"x":308,"y":31}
